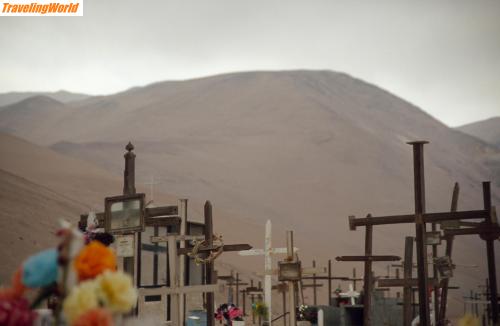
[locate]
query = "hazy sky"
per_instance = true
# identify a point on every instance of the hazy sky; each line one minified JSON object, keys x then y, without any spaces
{"x":443,"y":56}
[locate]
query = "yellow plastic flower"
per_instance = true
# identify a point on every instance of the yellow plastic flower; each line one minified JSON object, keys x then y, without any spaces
{"x":468,"y":320}
{"x":81,"y":299}
{"x":117,"y":291}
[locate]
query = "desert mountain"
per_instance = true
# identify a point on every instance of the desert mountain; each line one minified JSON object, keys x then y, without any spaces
{"x":61,"y":96}
{"x":487,"y":130}
{"x":302,"y":148}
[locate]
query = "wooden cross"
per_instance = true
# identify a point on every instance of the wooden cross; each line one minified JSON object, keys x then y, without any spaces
{"x":441,"y":313}
{"x":368,"y":258}
{"x":420,"y":218}
{"x":176,"y":289}
{"x":210,"y":279}
{"x":489,"y":231}
{"x":230,"y":282}
{"x":267,"y":252}
{"x":329,"y":278}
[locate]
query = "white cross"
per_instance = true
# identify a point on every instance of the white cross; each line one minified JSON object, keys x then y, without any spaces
{"x":351,"y":294}
{"x":267,"y":252}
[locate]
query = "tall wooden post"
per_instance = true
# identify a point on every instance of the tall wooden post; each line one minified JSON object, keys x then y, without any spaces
{"x":419,"y":185}
{"x":291,"y":285}
{"x":209,"y":273}
{"x":260,"y":299}
{"x":448,"y":252}
{"x":237,"y":285}
{"x":407,"y":290}
{"x":368,"y":281}
{"x":329,"y":282}
{"x":252,"y":301}
{"x":490,"y":253}
{"x":174,"y":280}
{"x":268,"y":266}
{"x":315,"y":297}
{"x":182,"y":260}
{"x":354,"y":279}
{"x":129,"y":189}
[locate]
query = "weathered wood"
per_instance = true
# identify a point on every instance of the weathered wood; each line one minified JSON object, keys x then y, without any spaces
{"x":407,"y":275}
{"x":162,"y":221}
{"x":395,"y":282}
{"x":209,"y":272}
{"x":164,"y":238}
{"x":325,"y":278}
{"x":419,"y":186}
{"x":329,"y":282}
{"x":153,"y":216}
{"x":448,"y":252}
{"x":292,"y":303}
{"x":167,"y":290}
{"x":427,"y":217}
{"x":225,"y":248}
{"x":490,"y":254}
{"x":174,"y":280}
{"x":368,"y":258}
{"x":368,"y":281}
{"x":483,"y":229}
{"x":315,"y":294}
{"x":182,"y":259}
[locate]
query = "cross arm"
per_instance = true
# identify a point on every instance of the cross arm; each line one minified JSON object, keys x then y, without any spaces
{"x":164,"y":290}
{"x":368,"y":258}
{"x":226,"y":248}
{"x":428,"y":218}
{"x":398,"y":282}
{"x":486,"y":232}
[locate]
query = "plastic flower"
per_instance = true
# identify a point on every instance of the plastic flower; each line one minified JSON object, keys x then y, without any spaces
{"x":94,"y":259}
{"x":81,"y":299}
{"x":468,"y":320}
{"x":17,"y":288}
{"x":41,"y":269}
{"x":117,"y":291}
{"x":94,"y":317}
{"x":16,"y":312}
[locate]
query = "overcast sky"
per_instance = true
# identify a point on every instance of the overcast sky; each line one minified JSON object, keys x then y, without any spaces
{"x":443,"y":56}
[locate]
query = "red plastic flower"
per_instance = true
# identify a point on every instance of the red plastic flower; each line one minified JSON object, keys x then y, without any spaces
{"x":17,"y":288}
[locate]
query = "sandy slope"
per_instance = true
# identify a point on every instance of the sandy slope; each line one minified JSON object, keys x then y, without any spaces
{"x":487,"y":130}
